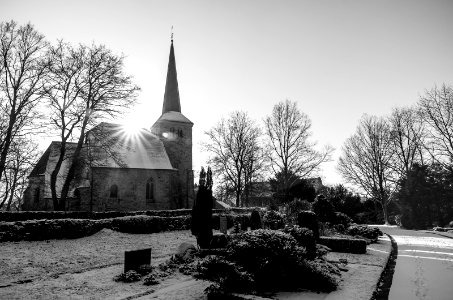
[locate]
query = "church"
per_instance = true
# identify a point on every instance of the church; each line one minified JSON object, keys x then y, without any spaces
{"x":150,"y":170}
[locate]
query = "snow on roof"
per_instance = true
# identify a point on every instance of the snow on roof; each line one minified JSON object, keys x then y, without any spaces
{"x":116,"y":148}
{"x":174,"y":116}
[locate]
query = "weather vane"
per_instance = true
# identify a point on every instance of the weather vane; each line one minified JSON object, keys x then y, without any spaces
{"x":172,"y":33}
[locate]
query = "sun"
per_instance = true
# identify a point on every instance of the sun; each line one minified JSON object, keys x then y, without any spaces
{"x":131,"y":129}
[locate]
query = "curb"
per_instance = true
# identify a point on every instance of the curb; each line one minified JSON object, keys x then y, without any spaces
{"x":439,"y":233}
{"x":385,"y":281}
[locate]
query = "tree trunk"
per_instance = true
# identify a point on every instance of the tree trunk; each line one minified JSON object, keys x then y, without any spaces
{"x":8,"y":137}
{"x":385,"y":211}
{"x":54,"y":175}
{"x":13,"y":187}
{"x":71,"y":172}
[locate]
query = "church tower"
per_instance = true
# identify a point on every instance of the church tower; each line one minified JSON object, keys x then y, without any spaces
{"x":175,"y":131}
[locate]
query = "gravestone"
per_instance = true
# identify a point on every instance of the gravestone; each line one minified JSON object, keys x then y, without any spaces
{"x":223,"y":224}
{"x":136,"y":258}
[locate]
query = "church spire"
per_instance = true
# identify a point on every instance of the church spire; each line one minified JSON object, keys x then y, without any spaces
{"x":171,"y":96}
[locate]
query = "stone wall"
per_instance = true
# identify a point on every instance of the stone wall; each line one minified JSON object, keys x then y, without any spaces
{"x":177,"y":139}
{"x":131,"y":185}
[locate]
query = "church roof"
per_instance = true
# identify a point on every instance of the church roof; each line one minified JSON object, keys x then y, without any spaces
{"x":115,"y":148}
{"x":174,"y":117}
{"x":171,"y":96}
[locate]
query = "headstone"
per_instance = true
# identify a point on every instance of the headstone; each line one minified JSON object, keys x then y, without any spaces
{"x":223,"y":224}
{"x":136,"y":258}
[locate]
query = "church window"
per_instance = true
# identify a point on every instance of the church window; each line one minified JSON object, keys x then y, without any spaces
{"x":150,"y":189}
{"x":114,"y":191}
{"x":180,"y":133}
{"x":36,"y":195}
{"x":172,"y":130}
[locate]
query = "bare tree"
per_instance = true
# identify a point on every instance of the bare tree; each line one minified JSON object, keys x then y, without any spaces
{"x":235,"y":151}
{"x":22,"y":72}
{"x":366,"y":160}
{"x":21,"y":157}
{"x":87,"y":84}
{"x":63,"y":89}
{"x":436,"y":109}
{"x":290,"y":151}
{"x":408,"y":138}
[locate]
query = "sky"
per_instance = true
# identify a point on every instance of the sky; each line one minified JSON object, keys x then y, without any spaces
{"x":337,"y":59}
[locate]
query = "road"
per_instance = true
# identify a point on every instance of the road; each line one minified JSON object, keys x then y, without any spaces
{"x":424,"y":266}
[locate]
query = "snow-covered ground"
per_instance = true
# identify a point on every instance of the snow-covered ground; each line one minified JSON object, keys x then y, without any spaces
{"x":424,"y":267}
{"x":80,"y":268}
{"x":84,"y":269}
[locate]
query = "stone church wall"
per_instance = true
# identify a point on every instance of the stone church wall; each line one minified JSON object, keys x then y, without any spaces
{"x":177,"y":139}
{"x":131,"y":184}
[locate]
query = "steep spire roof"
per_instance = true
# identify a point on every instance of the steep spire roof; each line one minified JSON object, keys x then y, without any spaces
{"x":171,"y":96}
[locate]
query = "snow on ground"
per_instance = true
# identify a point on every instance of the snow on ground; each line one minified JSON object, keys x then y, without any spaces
{"x":84,"y":269}
{"x":424,"y":266}
{"x":79,"y":268}
{"x":360,"y":281}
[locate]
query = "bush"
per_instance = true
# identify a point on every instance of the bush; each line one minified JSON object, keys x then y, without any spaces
{"x":371,"y":233}
{"x":337,"y":244}
{"x":450,"y":224}
{"x":129,"y":276}
{"x":309,"y":220}
{"x":324,"y":209}
{"x":342,"y":219}
{"x":35,"y":230}
{"x":202,"y":210}
{"x":150,"y":279}
{"x":273,"y":220}
{"x":267,"y":260}
{"x":293,"y":208}
{"x":255,"y":220}
{"x":304,"y":238}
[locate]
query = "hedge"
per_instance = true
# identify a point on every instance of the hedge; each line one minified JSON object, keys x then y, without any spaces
{"x":337,"y":244}
{"x":34,"y":230}
{"x":52,"y":215}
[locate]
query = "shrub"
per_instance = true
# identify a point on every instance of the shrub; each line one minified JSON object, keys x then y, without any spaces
{"x":371,"y":233}
{"x":129,"y":276}
{"x":304,"y":238}
{"x":309,"y":220}
{"x":293,"y":208}
{"x":229,"y":274}
{"x":201,"y":226}
{"x":75,"y":228}
{"x":342,"y":219}
{"x":255,"y":220}
{"x":324,"y":209}
{"x":273,"y":220}
{"x":450,"y":224}
{"x":267,"y":260}
{"x":337,"y":244}
{"x":150,"y":279}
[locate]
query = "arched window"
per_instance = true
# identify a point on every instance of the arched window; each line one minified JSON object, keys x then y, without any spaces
{"x":114,"y":191}
{"x":150,"y":189}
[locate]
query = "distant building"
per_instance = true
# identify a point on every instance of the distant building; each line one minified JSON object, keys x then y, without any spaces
{"x":150,"y":170}
{"x":261,"y":194}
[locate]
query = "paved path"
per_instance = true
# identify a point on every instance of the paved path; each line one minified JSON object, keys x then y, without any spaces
{"x":424,"y":267}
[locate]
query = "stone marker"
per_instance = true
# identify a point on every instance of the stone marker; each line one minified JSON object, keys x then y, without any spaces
{"x":223,"y":224}
{"x":136,"y":258}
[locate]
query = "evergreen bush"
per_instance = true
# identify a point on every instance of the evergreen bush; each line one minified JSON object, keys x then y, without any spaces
{"x":202,"y":210}
{"x":309,"y":220}
{"x":273,"y":220}
{"x":304,"y":238}
{"x":255,"y":220}
{"x":267,"y":260}
{"x":371,"y":233}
